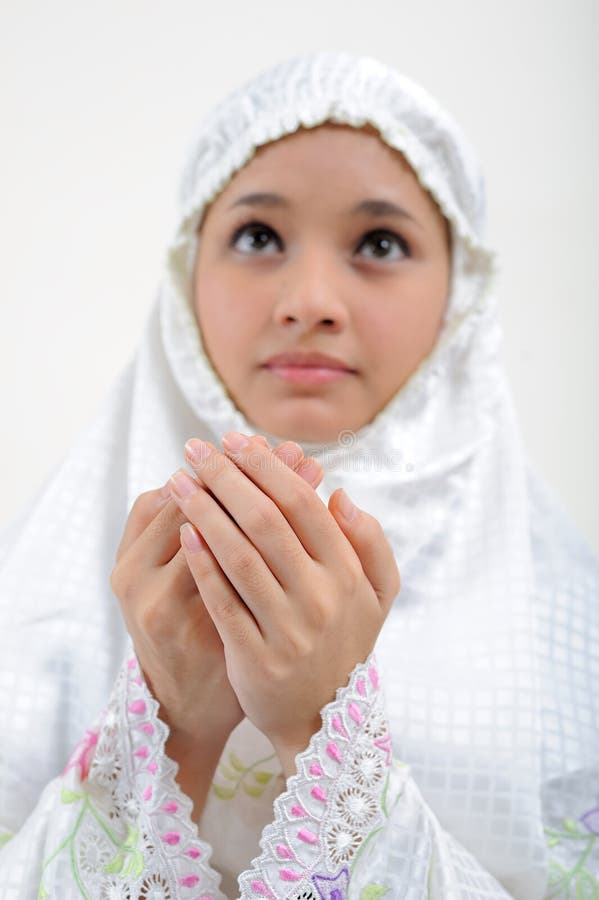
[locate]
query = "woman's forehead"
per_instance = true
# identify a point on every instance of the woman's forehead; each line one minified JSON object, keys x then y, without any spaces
{"x":349,"y":95}
{"x":348,"y":162}
{"x":326,"y":143}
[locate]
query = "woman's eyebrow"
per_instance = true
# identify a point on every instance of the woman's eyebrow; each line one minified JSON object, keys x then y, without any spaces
{"x":260,"y":198}
{"x":371,"y":206}
{"x":382,"y":208}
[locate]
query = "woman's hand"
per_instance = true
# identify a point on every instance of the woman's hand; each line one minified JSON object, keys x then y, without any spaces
{"x":179,"y":649}
{"x":297,"y":592}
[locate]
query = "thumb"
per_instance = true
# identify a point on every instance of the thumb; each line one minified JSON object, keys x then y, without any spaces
{"x":144,"y":510}
{"x":368,"y":539}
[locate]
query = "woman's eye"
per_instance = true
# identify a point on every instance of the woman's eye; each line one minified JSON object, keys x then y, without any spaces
{"x":254,"y":238}
{"x":384,"y":245}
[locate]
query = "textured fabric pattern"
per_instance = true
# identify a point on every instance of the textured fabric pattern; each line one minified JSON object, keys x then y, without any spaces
{"x":116,"y":824}
{"x":488,"y":659}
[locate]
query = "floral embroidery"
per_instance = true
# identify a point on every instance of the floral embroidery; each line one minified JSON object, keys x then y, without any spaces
{"x":129,"y":859}
{"x":155,"y":888}
{"x":356,"y":806}
{"x":131,"y":836}
{"x":333,"y":805}
{"x":93,"y":851}
{"x":250,"y":778}
{"x":578,"y":879}
{"x":334,"y":888}
{"x":82,"y":755}
{"x":373,"y":892}
{"x":342,"y":843}
{"x":113,"y":889}
{"x":367,"y":768}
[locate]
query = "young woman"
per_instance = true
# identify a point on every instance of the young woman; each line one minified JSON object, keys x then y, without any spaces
{"x":328,"y":285}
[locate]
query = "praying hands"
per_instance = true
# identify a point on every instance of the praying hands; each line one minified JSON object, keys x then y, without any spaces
{"x":238,"y":592}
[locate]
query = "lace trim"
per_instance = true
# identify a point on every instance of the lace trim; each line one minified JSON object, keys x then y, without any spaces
{"x":332,"y":804}
{"x":133,"y":837}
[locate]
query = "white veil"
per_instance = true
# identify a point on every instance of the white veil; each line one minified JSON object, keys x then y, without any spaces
{"x":442,"y":467}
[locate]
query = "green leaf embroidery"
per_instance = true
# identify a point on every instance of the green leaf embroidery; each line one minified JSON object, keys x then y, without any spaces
{"x":132,"y":839}
{"x":250,"y":778}
{"x":586,"y":886}
{"x":127,"y":854}
{"x":576,"y":882}
{"x":236,"y":763}
{"x":225,"y":793}
{"x":5,"y":837}
{"x":68,"y":796}
{"x":555,"y":872}
{"x":373,"y":892}
{"x":252,"y":790}
{"x":116,"y":865}
{"x":263,"y":777}
{"x":128,"y":860}
{"x":135,"y":866}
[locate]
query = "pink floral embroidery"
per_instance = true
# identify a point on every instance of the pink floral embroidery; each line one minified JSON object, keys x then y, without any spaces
{"x":354,"y":737}
{"x":83,"y":755}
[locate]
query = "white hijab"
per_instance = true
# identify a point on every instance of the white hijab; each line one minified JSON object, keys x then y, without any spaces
{"x":442,"y":467}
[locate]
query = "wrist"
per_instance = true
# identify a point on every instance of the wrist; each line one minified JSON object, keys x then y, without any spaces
{"x":288,"y":747}
{"x":197,"y":759}
{"x":211,"y":718}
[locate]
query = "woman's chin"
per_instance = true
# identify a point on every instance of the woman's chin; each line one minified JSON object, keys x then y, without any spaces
{"x":301,"y":429}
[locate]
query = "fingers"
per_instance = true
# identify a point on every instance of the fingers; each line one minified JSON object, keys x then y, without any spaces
{"x":232,"y":618}
{"x":149,"y":504}
{"x":311,"y":471}
{"x":155,"y":544}
{"x":293,"y":456}
{"x":241,"y":562}
{"x":153,"y":602}
{"x":270,"y":505}
{"x":151,"y":537}
{"x":146,"y":507}
{"x":367,"y":537}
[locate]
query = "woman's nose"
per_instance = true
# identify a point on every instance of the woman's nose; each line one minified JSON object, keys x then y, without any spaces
{"x":311,"y":295}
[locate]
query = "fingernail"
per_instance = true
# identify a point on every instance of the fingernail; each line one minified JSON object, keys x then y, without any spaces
{"x":289,"y":452}
{"x":191,"y":539}
{"x":310,"y":471}
{"x":197,"y":451}
{"x":234,"y":440}
{"x":348,"y":510}
{"x":182,"y":484}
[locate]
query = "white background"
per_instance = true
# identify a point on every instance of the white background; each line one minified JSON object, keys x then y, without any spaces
{"x":99,"y":100}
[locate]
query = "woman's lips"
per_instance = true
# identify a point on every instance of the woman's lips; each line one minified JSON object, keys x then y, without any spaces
{"x":308,"y":368}
{"x":308,"y":374}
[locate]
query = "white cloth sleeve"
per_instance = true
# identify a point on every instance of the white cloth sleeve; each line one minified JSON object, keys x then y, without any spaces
{"x":351,"y":823}
{"x":115,"y":824}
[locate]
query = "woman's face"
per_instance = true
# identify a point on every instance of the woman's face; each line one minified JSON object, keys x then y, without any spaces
{"x":324,"y":243}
